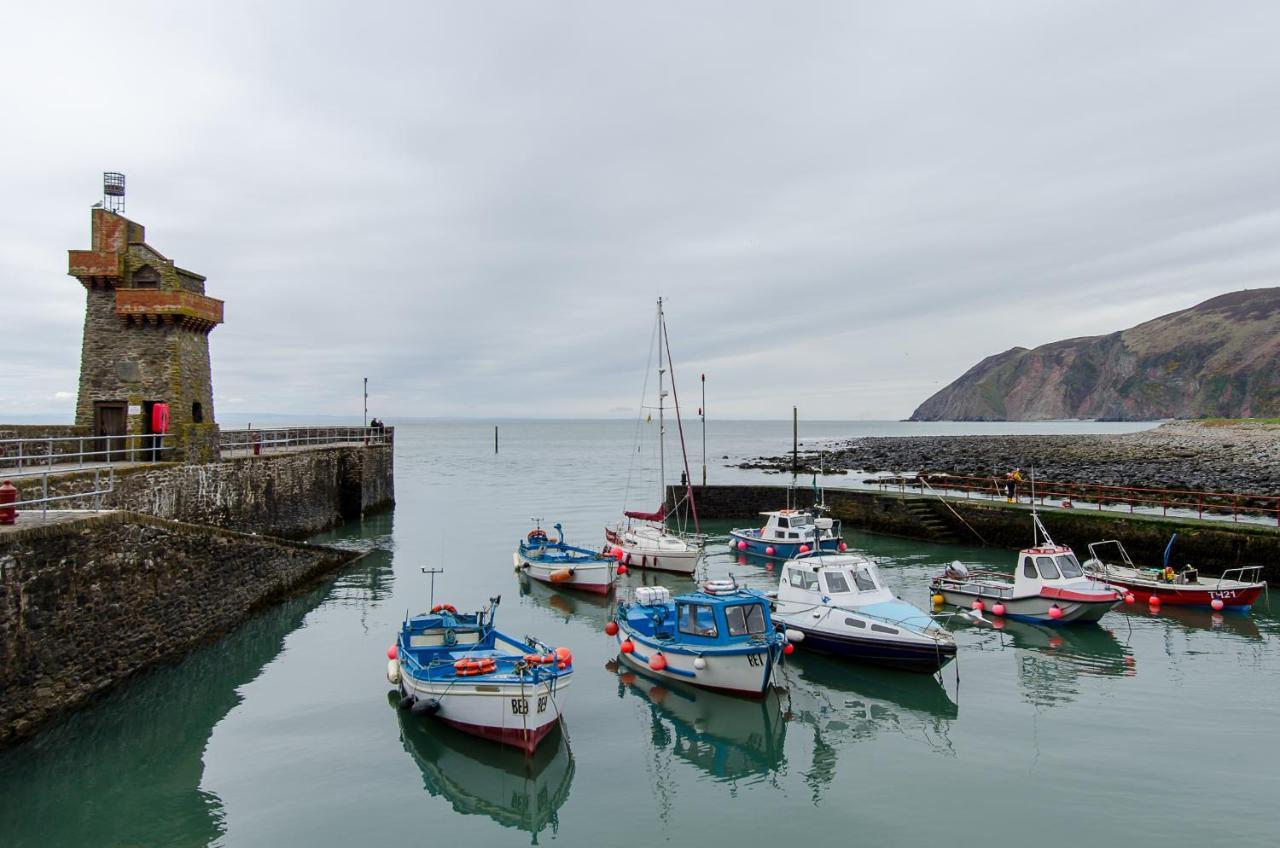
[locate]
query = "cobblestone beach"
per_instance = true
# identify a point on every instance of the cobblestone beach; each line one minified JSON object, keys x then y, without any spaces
{"x":1227,"y":457}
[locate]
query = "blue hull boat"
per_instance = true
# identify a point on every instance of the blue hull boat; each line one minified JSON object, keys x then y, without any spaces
{"x":788,"y":533}
{"x":720,"y":638}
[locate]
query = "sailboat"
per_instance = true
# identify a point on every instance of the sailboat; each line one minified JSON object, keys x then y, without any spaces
{"x":645,"y":540}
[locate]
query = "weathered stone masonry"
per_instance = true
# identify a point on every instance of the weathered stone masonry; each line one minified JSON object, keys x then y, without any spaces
{"x":84,"y":605}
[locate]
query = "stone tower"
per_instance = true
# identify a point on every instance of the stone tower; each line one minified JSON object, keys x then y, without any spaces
{"x":146,"y":341}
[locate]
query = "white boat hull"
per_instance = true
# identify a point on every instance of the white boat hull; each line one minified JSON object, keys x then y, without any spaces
{"x":597,"y":577}
{"x":656,"y":551}
{"x":514,"y":714}
{"x":739,"y":673}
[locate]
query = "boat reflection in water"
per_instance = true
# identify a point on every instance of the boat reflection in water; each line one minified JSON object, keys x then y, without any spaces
{"x":586,"y":607}
{"x":1052,"y":660}
{"x":1234,"y":622}
{"x":478,"y":778}
{"x":731,"y":739}
{"x":843,"y":703}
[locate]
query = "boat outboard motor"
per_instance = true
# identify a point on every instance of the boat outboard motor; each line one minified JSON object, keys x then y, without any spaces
{"x":957,"y":570}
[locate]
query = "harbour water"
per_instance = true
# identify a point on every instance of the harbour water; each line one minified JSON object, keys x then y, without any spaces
{"x":1151,"y":729}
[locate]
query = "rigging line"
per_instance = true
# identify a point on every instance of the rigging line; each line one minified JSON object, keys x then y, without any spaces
{"x":635,"y":439}
{"x":675,"y":397}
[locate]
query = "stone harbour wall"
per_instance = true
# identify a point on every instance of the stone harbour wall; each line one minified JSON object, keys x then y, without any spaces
{"x":85,"y":604}
{"x":285,"y":494}
{"x":1212,"y":546}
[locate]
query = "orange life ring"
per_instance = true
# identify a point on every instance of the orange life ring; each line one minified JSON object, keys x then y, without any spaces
{"x":537,"y":533}
{"x":449,"y":608}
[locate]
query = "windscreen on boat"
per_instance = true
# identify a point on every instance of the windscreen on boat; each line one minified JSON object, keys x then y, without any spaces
{"x":698,"y":620}
{"x":1048,"y":570}
{"x":862,"y":577}
{"x":1069,"y":565}
{"x":801,"y":579}
{"x":836,"y":584}
{"x":744,"y":619}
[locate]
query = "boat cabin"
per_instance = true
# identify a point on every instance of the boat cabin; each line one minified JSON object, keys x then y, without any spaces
{"x":717,"y":615}
{"x":796,"y":526}
{"x":845,"y":579}
{"x":1054,"y":565}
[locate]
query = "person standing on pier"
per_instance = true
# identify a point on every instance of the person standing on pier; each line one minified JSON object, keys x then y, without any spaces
{"x":1011,"y":481}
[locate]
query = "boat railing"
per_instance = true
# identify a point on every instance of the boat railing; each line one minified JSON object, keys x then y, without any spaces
{"x":1243,"y":574}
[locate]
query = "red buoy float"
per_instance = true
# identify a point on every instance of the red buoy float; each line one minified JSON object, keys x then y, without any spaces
{"x":622,"y":570}
{"x":619,"y":553}
{"x":978,"y":605}
{"x":391,"y":652}
{"x":1129,"y":598}
{"x":742,"y":545}
{"x":788,"y":649}
{"x":804,"y":549}
{"x":1055,"y":612}
{"x":1154,"y":600}
{"x":769,"y":551}
{"x":1217,"y":604}
{"x":998,"y":609}
{"x":611,"y":628}
{"x":842,"y":547}
{"x":627,"y":646}
{"x":657,"y":662}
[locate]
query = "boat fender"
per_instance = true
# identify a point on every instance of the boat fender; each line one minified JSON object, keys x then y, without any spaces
{"x":699,"y":663}
{"x":426,"y":707}
{"x":794,"y":635}
{"x":393,"y":672}
{"x":560,"y":575}
{"x":407,"y":701}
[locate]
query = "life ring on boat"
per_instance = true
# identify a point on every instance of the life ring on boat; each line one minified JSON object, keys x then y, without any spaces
{"x":536,"y":534}
{"x":449,"y":608}
{"x":466,"y":668}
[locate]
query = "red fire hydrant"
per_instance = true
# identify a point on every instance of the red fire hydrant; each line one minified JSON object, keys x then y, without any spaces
{"x":8,"y":495}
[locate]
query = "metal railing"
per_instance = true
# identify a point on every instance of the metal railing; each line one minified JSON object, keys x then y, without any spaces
{"x":104,"y":483}
{"x":1134,"y":499}
{"x":256,"y":442}
{"x":31,"y":456}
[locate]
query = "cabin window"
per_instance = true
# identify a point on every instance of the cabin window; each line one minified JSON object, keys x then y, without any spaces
{"x":836,"y":584}
{"x":698,"y":620}
{"x":1048,"y":570}
{"x":880,"y":628}
{"x":801,"y":579}
{"x":745,"y":618}
{"x":866,"y":583}
{"x":1028,"y":568}
{"x":855,"y":622}
{"x":793,"y":535}
{"x":1069,"y":565}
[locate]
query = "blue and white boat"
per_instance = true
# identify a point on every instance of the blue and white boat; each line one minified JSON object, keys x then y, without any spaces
{"x":460,"y":669}
{"x":721,"y":637}
{"x":551,"y":560}
{"x":842,"y":607}
{"x":787,"y":533}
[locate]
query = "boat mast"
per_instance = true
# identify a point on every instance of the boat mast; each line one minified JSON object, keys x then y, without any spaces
{"x":662,"y":427}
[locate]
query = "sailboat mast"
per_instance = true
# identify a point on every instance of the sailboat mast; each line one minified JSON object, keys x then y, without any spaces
{"x":662,"y":427}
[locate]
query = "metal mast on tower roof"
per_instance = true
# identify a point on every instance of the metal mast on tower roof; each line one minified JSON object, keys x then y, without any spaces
{"x":113,"y":192}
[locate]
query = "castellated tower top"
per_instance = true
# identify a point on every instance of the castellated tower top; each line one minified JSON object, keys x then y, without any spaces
{"x":146,"y":330}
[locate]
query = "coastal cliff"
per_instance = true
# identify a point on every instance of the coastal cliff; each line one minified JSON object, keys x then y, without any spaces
{"x":1220,"y":358}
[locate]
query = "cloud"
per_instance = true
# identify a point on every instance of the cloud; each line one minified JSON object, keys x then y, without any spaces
{"x":846,"y":204}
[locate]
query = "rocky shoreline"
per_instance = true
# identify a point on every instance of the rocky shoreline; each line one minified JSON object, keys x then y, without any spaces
{"x":1230,"y":457}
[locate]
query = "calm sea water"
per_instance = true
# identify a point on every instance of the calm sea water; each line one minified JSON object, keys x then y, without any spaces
{"x":1152,"y":729}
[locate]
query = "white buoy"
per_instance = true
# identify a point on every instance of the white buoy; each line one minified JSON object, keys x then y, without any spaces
{"x":795,"y":635}
{"x":393,"y":672}
{"x":699,"y":663}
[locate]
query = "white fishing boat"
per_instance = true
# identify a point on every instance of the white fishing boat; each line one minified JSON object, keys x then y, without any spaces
{"x":841,"y":605}
{"x":459,"y":669}
{"x":550,"y":560}
{"x":644,"y":539}
{"x":1048,"y":585}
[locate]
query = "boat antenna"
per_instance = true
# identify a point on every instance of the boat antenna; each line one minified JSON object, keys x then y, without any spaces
{"x":1037,"y":526}
{"x":433,"y":572}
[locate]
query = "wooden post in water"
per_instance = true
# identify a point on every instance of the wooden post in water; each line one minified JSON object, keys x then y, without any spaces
{"x":795,"y":441}
{"x":702,"y":411}
{"x":495,"y":438}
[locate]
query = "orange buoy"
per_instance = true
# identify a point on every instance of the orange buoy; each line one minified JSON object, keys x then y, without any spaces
{"x":560,"y":575}
{"x":611,"y":629}
{"x":657,"y":662}
{"x":627,"y":646}
{"x":564,"y":655}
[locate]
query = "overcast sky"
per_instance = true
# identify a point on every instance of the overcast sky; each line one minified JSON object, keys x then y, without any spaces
{"x":476,"y":205}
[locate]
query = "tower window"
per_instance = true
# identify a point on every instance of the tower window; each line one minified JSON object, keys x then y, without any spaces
{"x":197,"y":412}
{"x":146,"y":278}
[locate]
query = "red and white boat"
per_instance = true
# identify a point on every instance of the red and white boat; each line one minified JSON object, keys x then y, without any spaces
{"x":1049,"y":585}
{"x":1237,"y":588}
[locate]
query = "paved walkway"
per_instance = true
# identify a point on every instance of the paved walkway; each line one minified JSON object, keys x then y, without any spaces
{"x":35,"y":518}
